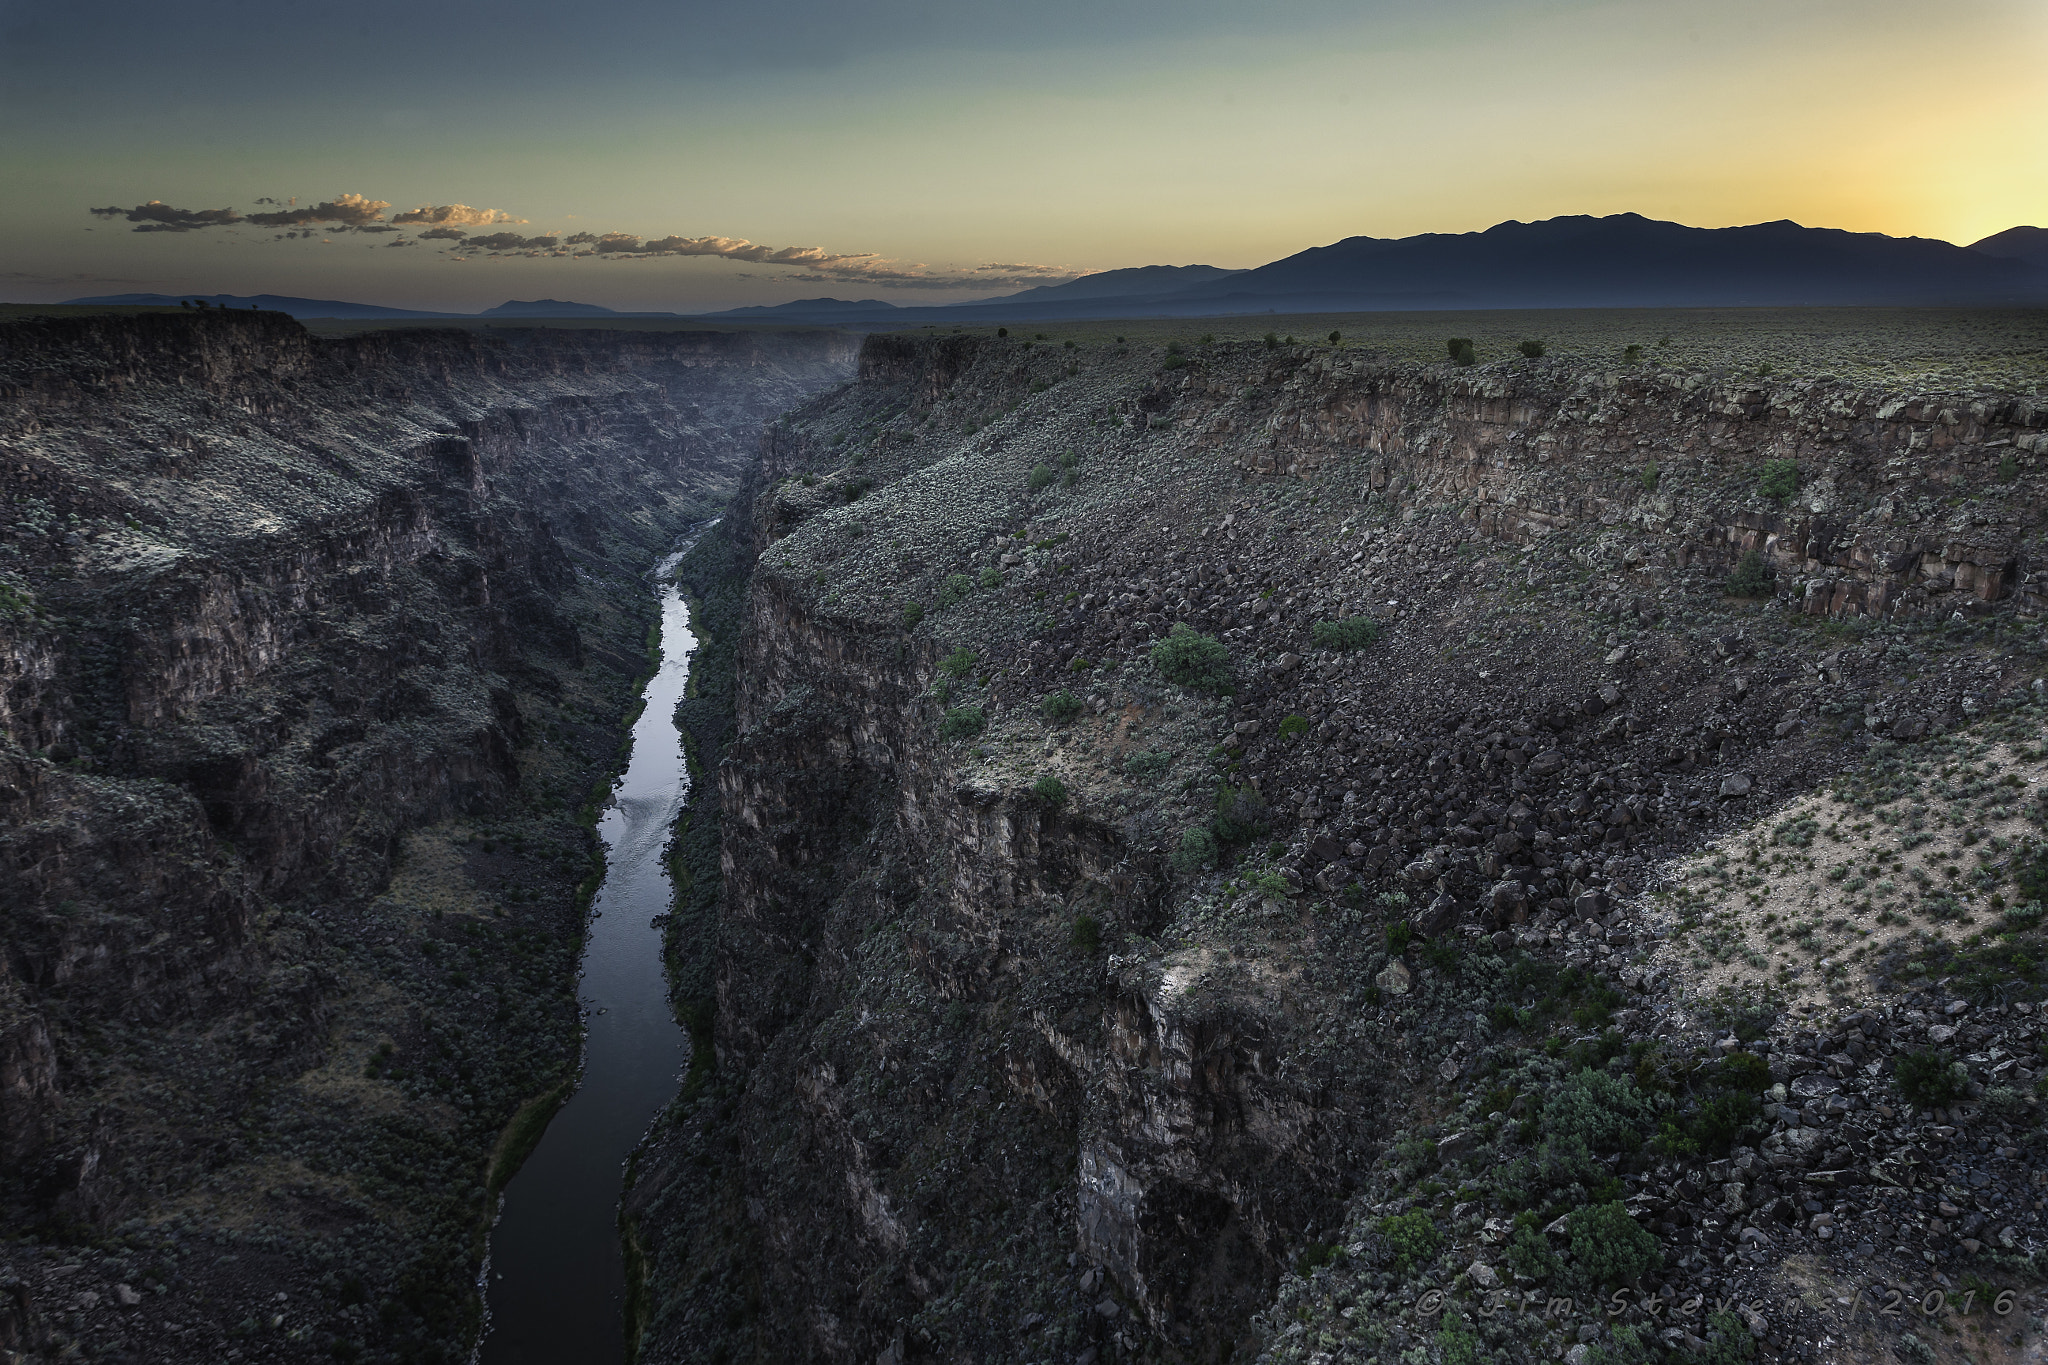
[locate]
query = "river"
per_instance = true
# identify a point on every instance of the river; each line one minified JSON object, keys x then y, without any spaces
{"x":557,"y":1282}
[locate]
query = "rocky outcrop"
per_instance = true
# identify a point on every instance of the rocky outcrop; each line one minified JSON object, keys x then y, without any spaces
{"x":1064,"y":1005}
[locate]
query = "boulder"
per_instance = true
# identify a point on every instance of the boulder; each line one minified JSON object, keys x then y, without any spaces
{"x":1438,"y":916}
{"x":1734,"y":785}
{"x":1394,"y":978}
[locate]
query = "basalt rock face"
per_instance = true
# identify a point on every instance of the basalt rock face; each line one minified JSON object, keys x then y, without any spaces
{"x":1070,"y":1001}
{"x":281,"y":620}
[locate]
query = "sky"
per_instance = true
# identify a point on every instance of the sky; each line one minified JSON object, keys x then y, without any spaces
{"x":689,"y":156}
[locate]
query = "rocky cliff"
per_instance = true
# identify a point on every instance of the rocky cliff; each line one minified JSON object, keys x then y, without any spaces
{"x":312,"y":662}
{"x":1202,"y":854}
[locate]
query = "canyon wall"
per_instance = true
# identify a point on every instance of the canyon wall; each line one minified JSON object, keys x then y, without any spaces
{"x":1064,"y":995}
{"x":312,"y":658}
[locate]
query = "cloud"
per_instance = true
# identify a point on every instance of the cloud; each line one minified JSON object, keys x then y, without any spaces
{"x":349,"y":210}
{"x":450,"y":224}
{"x":506,"y":241}
{"x":457,"y":215}
{"x":157,"y":216}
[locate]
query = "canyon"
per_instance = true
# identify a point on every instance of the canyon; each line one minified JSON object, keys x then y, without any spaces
{"x":315,"y":657}
{"x":1195,"y":866}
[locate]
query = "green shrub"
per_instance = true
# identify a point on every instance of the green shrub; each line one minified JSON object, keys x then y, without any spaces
{"x":1077,"y":664}
{"x":1086,"y":933}
{"x":1531,"y":348}
{"x":1461,"y":351}
{"x":1529,"y":1252}
{"x":1353,"y":632}
{"x":1197,"y":852}
{"x":1041,"y":478}
{"x":962,"y":722}
{"x":1336,"y":336}
{"x":1928,"y":1079}
{"x":1460,"y":1346}
{"x":1294,"y":727}
{"x":1267,"y":881}
{"x":959,"y":663}
{"x":2008,"y":469}
{"x":991,"y":577}
{"x":2032,"y":881}
{"x":1650,"y":476}
{"x":1752,"y":577}
{"x":1049,"y":790}
{"x":1609,"y":1247}
{"x":1632,"y":353}
{"x":1060,"y":707}
{"x":1729,"y":1341}
{"x":1414,"y":1239}
{"x":956,"y":588}
{"x":1240,"y":815}
{"x":1745,"y":1071}
{"x":1778,"y":479}
{"x":1272,"y":341}
{"x":913,"y":612}
{"x":1315,"y":1256}
{"x":1193,"y":660}
{"x":1723,"y":1120}
{"x":1399,"y":935}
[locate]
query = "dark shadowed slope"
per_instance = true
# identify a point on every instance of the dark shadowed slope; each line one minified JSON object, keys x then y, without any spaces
{"x":2029,"y":244}
{"x":1624,"y":260}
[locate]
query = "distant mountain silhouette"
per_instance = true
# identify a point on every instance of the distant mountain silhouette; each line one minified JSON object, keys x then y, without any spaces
{"x":1621,"y":261}
{"x":2029,"y":244}
{"x":550,"y":308}
{"x":272,"y":303}
{"x":809,"y":310}
{"x":1136,"y":282}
